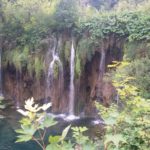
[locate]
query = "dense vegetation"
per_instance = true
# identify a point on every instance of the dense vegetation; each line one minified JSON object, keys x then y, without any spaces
{"x":127,"y":122}
{"x":22,"y":33}
{"x":26,"y":24}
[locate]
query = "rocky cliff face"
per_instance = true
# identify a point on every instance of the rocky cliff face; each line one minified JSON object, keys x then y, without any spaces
{"x":89,"y":86}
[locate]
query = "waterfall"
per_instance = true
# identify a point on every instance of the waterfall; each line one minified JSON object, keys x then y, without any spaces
{"x":50,"y":75}
{"x":51,"y":69}
{"x":1,"y":93}
{"x":71,"y":94}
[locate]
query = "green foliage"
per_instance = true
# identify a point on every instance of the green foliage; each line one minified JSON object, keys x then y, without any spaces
{"x":136,"y":50}
{"x":67,"y":48}
{"x":66,"y":14}
{"x":34,"y":125}
{"x":129,"y":5}
{"x":17,"y":57}
{"x":57,"y":142}
{"x":78,"y":134}
{"x":115,"y":139}
{"x":83,"y":142}
{"x":30,"y":66}
{"x":29,"y":24}
{"x":35,"y":21}
{"x":127,"y":126}
{"x":133,"y":25}
{"x":84,"y":52}
{"x":78,"y":66}
{"x":35,"y":119}
{"x":56,"y":70}
{"x":85,"y":49}
{"x":38,"y":66}
{"x":23,"y":30}
{"x":102,"y":26}
{"x":21,"y":57}
{"x":138,"y":53}
{"x":139,"y":69}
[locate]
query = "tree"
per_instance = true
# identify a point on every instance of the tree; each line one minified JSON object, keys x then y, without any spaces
{"x":66,"y":14}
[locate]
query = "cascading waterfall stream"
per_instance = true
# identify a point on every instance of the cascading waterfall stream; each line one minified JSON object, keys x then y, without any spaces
{"x":50,"y":76}
{"x":51,"y":69}
{"x":71,"y":93}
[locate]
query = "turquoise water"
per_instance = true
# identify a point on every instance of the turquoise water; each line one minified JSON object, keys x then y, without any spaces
{"x":8,"y":138}
{"x":8,"y":134}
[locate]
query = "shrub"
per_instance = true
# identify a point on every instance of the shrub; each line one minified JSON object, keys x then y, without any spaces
{"x":66,"y":15}
{"x":128,"y":123}
{"x":34,"y":125}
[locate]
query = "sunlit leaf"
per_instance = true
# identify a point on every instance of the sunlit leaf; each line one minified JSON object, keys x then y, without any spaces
{"x":23,"y":138}
{"x":24,"y":113}
{"x":65,"y":132}
{"x":54,"y":139}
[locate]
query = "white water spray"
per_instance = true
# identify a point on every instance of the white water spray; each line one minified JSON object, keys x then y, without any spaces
{"x":51,"y":69}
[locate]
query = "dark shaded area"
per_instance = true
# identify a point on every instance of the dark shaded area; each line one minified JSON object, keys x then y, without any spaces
{"x":8,"y":138}
{"x":105,"y":3}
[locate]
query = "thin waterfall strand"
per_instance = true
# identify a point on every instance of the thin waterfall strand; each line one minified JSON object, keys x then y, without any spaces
{"x":71,"y":94}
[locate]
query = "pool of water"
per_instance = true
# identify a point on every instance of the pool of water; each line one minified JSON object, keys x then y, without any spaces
{"x":10,"y":123}
{"x":8,"y":134}
{"x":8,"y":138}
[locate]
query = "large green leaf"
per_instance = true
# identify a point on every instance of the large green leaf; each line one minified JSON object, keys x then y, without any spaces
{"x":25,"y":121}
{"x":23,"y":138}
{"x":27,"y":130}
{"x":83,"y":129}
{"x":54,"y":139}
